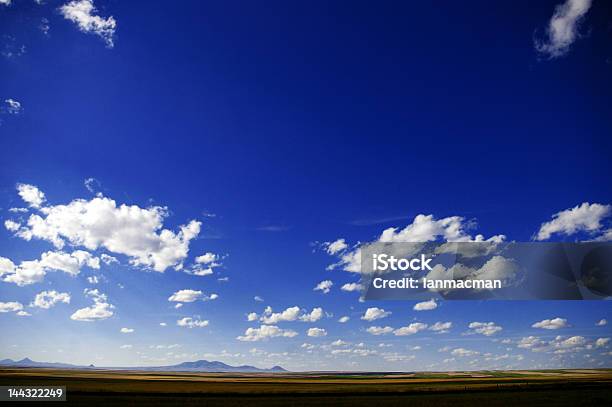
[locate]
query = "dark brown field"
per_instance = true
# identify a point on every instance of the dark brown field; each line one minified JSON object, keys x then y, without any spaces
{"x":493,"y":388}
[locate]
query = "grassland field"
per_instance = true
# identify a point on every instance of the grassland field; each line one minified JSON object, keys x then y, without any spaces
{"x":97,"y":387}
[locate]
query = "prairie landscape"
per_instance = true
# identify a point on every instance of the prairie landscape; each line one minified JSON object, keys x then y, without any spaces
{"x":496,"y":388}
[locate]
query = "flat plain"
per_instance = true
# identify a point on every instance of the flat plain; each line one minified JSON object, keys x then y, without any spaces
{"x":97,"y":387}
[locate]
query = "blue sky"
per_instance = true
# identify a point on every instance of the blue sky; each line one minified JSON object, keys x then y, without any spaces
{"x":281,"y":127}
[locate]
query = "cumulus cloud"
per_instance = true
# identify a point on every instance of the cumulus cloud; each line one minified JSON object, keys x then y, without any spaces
{"x":581,"y":218}
{"x":47,"y":299}
{"x":82,"y":13}
{"x":441,"y":327}
{"x":317,"y":332}
{"x":126,"y":330}
{"x":324,"y":286}
{"x":185,"y":296}
{"x":207,"y":258}
{"x":108,"y":260}
{"x":344,"y":319}
{"x":335,"y":247}
{"x":462,"y":352}
{"x":315,"y":315}
{"x":379,"y":330}
{"x":411,"y":329}
{"x":351,"y":287}
{"x":290,"y":314}
{"x":252,"y":317}
{"x":555,"y":323}
{"x":426,"y":305}
{"x":31,"y":195}
{"x":11,"y":306}
{"x":602,"y":322}
{"x":424,"y":228}
{"x":11,"y":225}
{"x":189,"y":322}
{"x":375,"y":313}
{"x":100,"y":223}
{"x":485,"y":328}
{"x":602,"y":342}
{"x":562,"y":29}
{"x":100,"y":309}
{"x":265,"y":332}
{"x":34,"y":271}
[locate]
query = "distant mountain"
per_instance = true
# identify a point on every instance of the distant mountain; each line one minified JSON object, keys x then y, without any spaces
{"x":26,"y":362}
{"x":210,"y":366}
{"x":197,"y":366}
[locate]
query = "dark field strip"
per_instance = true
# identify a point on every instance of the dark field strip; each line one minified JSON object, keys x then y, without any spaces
{"x":525,"y":397}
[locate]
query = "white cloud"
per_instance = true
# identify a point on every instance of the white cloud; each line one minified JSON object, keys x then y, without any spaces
{"x":18,"y":210}
{"x":379,"y":330}
{"x":601,"y":342}
{"x":441,"y":327}
{"x":581,"y":218}
{"x":335,"y":247}
{"x":411,"y":329}
{"x":34,"y":271}
{"x":163,"y":324}
{"x":108,"y":260}
{"x":485,"y":328}
{"x":189,"y":322}
{"x":101,"y":309}
{"x":252,"y":317}
{"x":533,"y":343}
{"x":126,"y":330}
{"x":185,"y":296}
{"x":315,"y":315}
{"x":31,"y":195}
{"x":317,"y":332}
{"x":258,"y":298}
{"x":47,"y":299}
{"x":99,"y":223}
{"x":566,"y":345}
{"x":375,"y":313}
{"x":562,"y":29}
{"x":23,"y":313}
{"x":351,"y":287}
{"x":207,"y":258}
{"x":426,"y":305}
{"x":82,"y":13}
{"x":265,"y":332}
{"x":424,"y":228}
{"x":5,"y":2}
{"x":10,"y":306}
{"x":91,"y":184}
{"x":462,"y":352}
{"x":125,"y":347}
{"x":11,"y":225}
{"x":93,"y":279}
{"x":555,"y":323}
{"x":602,"y":322}
{"x":344,"y":319}
{"x":13,"y":106}
{"x":324,"y":286}
{"x":201,"y":271}
{"x":290,"y":314}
